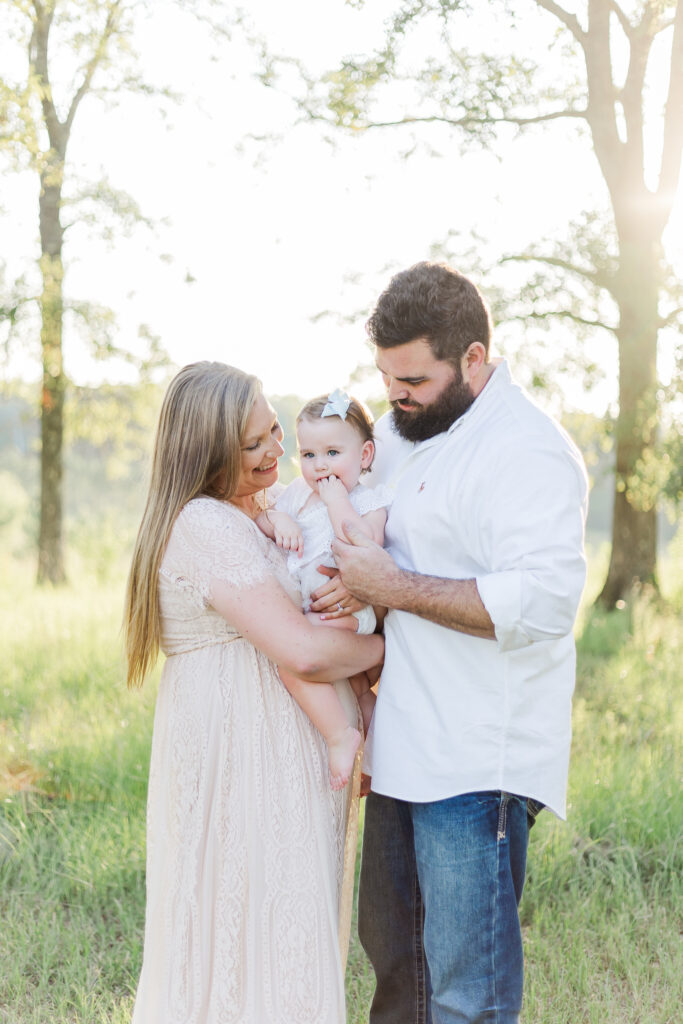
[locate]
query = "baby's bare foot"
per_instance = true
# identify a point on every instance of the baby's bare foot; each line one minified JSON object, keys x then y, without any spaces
{"x":341,"y":753}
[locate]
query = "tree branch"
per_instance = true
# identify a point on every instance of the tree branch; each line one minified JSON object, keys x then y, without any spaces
{"x":38,"y":61}
{"x":570,"y":20}
{"x":596,"y":277}
{"x":9,"y":311}
{"x":567,"y":315}
{"x":623,"y":20}
{"x":663,"y":25}
{"x":93,"y":63}
{"x":609,"y":149}
{"x":640,"y":44}
{"x":461,"y":122}
{"x":670,"y":318}
{"x":672,"y":146}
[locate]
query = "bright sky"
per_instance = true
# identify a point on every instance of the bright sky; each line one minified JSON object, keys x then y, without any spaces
{"x":261,"y":238}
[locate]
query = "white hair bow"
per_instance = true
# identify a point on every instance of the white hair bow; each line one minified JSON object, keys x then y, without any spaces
{"x":337,"y":404}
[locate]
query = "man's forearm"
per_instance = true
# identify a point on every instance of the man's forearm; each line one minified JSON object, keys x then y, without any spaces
{"x":373,"y":576}
{"x":455,"y":604}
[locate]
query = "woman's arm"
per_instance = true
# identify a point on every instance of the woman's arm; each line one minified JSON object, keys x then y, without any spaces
{"x":266,"y":616}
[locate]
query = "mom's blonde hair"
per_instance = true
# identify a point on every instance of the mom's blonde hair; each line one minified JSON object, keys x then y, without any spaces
{"x":196,"y":451}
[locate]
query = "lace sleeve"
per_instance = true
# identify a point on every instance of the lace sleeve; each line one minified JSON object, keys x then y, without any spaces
{"x":212,"y":540}
{"x":367,"y":499}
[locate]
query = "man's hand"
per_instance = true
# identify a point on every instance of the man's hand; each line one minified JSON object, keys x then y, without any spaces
{"x":366,"y":568}
{"x":373,"y":576}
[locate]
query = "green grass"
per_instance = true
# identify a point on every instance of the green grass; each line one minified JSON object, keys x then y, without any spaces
{"x":603,"y":907}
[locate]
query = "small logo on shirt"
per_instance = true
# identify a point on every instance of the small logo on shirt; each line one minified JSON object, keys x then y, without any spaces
{"x":421,"y":487}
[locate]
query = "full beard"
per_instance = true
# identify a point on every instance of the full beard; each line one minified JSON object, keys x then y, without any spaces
{"x":426,"y":421}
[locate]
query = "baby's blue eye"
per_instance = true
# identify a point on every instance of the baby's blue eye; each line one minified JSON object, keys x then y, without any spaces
{"x":333,"y":451}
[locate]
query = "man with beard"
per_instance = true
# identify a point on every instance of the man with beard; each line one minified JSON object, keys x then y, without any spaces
{"x":482,"y":574}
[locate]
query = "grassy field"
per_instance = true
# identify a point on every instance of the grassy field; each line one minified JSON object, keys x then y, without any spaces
{"x":603,"y":907}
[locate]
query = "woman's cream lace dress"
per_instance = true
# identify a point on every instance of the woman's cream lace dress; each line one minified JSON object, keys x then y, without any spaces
{"x":245,"y":838}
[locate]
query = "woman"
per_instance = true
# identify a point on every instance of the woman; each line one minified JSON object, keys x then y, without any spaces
{"x":245,"y":837}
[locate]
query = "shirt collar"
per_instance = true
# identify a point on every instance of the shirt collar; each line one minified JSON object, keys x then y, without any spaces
{"x":499,"y":377}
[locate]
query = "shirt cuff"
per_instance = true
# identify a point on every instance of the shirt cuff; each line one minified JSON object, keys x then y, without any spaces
{"x":501,"y":595}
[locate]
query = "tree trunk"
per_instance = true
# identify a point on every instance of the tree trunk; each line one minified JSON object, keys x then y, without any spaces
{"x":634,"y":525}
{"x":50,"y":547}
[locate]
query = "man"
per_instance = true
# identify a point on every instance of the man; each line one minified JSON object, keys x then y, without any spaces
{"x":482,"y":573}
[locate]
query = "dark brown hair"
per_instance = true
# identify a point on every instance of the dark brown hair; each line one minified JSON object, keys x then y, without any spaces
{"x":434,"y":302}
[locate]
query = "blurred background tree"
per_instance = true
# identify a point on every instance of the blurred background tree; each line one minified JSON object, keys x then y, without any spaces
{"x":611,"y":75}
{"x":75,"y":52}
{"x":609,"y":66}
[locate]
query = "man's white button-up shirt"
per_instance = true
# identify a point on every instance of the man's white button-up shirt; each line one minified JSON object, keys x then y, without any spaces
{"x":501,"y":498}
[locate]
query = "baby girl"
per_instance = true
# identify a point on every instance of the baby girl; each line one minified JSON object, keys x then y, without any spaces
{"x":335,"y":435}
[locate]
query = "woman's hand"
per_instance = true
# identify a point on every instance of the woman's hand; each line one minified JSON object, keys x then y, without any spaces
{"x":333,"y":599}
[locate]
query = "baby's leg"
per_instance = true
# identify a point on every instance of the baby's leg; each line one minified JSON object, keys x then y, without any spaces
{"x":322,"y":705}
{"x":361,"y":684}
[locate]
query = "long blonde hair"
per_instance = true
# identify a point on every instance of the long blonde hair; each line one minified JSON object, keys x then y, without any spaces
{"x":197,"y":445}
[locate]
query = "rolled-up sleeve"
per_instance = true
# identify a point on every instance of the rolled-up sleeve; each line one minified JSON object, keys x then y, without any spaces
{"x":532,"y":522}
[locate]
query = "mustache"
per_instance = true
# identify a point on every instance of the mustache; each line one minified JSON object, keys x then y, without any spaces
{"x":411,"y":405}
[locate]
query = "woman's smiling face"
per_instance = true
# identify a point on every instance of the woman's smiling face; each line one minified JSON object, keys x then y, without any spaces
{"x":261,"y":448}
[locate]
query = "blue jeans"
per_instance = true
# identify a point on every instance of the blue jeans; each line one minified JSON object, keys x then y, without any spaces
{"x":439,"y":889}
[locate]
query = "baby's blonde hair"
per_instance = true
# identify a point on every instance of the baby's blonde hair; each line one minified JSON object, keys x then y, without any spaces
{"x":196,"y":451}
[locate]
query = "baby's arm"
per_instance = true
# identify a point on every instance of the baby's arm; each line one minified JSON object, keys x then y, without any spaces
{"x":282,"y":529}
{"x":375,"y":521}
{"x":339,"y":508}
